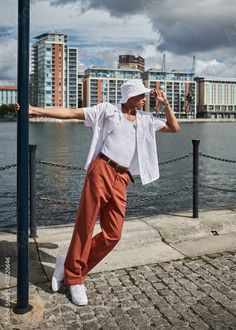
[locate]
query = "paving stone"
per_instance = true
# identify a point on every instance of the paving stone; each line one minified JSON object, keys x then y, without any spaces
{"x":112,"y":326}
{"x":152,"y":312}
{"x":162,"y":323}
{"x":125,"y":321}
{"x":87,"y":317}
{"x":232,"y":295}
{"x":134,"y":289}
{"x":194,"y":293}
{"x":114,"y":282}
{"x":92,"y":325}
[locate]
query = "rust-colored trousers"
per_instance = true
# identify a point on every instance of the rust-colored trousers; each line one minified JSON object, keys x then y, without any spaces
{"x":104,"y":195}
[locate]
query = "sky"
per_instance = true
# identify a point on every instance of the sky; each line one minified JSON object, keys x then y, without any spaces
{"x":105,"y":29}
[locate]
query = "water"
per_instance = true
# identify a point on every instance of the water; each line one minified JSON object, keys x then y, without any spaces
{"x":68,"y":143}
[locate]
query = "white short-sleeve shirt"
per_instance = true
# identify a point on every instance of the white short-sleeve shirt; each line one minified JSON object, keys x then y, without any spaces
{"x":106,"y":117}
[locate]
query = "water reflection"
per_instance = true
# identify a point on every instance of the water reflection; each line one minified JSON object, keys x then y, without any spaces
{"x":68,"y":143}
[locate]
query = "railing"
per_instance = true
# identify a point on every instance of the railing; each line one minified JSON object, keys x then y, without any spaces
{"x":138,"y":200}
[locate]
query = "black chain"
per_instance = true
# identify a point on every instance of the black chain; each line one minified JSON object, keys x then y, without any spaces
{"x":162,"y":163}
{"x":148,"y":198}
{"x":217,"y":158}
{"x":59,"y":165}
{"x":135,"y":202}
{"x":176,"y":159}
{"x":47,"y":199}
{"x":151,"y":198}
{"x":7,"y":204}
{"x":7,"y":167}
{"x":80,"y":168}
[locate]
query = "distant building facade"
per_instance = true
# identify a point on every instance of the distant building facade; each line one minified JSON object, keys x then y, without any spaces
{"x":54,"y":77}
{"x":216,"y":97}
{"x":71,"y":81}
{"x":179,"y":87}
{"x":131,"y":62}
{"x":8,"y":95}
{"x":103,"y":84}
{"x":80,"y":89}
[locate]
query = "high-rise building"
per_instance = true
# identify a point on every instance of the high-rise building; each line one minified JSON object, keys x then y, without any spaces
{"x":8,"y":95}
{"x":53,"y":79}
{"x":179,"y":87}
{"x":131,"y":62}
{"x":216,"y":97}
{"x":72,"y":78}
{"x":103,"y":84}
{"x":80,"y":88}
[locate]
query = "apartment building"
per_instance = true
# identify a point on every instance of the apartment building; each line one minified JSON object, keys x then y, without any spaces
{"x":80,"y":88}
{"x":54,"y":68}
{"x":8,"y":95}
{"x":103,"y":84}
{"x":179,"y":87}
{"x":216,"y":97}
{"x":131,"y":62}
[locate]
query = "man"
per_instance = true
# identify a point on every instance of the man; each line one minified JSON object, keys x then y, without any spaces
{"x":123,"y":145}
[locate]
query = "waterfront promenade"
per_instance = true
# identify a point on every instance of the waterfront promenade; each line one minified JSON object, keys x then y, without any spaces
{"x":168,"y":272}
{"x":39,"y":119}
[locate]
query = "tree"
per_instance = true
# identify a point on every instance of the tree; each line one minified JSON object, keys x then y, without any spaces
{"x":7,"y":109}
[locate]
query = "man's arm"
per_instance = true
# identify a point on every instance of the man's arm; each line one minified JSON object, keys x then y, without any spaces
{"x":58,"y":112}
{"x":172,"y":124}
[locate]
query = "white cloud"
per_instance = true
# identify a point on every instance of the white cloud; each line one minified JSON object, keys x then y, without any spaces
{"x":8,"y":13}
{"x":216,"y":69}
{"x":103,"y":30}
{"x":8,"y":52}
{"x":92,"y":27}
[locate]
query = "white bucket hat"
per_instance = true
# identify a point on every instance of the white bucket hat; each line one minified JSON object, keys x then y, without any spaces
{"x":132,"y":88}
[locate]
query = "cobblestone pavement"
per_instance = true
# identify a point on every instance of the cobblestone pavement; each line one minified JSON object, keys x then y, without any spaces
{"x":197,"y":293}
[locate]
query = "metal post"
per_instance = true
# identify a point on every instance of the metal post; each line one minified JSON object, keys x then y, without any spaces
{"x":22,"y":305}
{"x":32,"y":175}
{"x":195,"y":176}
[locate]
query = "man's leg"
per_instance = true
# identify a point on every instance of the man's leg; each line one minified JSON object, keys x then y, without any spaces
{"x":106,"y":240}
{"x":111,"y":222}
{"x":103,"y":184}
{"x":92,"y":198}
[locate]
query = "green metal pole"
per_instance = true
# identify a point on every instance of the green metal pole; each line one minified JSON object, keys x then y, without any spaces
{"x":22,"y":305}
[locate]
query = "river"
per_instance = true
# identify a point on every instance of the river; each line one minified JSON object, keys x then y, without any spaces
{"x":68,"y":142}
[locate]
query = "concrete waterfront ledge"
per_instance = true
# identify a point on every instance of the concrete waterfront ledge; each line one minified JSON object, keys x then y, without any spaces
{"x":207,"y":120}
{"x":181,"y":120}
{"x":155,"y":239}
{"x":145,"y":241}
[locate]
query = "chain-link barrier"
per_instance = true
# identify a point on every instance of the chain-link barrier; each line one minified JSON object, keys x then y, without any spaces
{"x":59,"y":165}
{"x":217,"y":158}
{"x":2,"y":168}
{"x":176,"y":159}
{"x":7,"y":204}
{"x":7,"y":167}
{"x":81,"y":168}
{"x":61,"y":202}
{"x":129,"y":202}
{"x":151,"y":198}
{"x":217,"y":188}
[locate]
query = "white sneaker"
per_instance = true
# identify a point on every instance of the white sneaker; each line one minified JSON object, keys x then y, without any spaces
{"x":58,"y":274}
{"x":78,"y":294}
